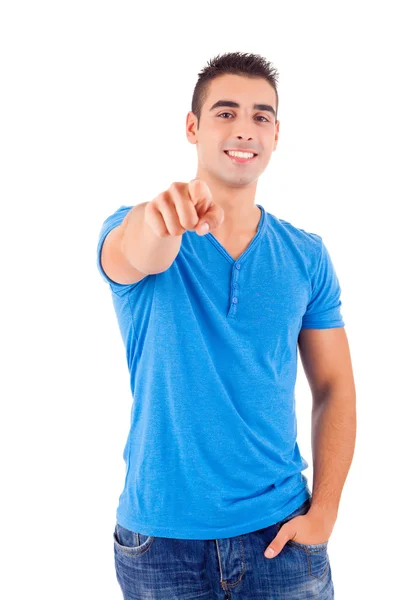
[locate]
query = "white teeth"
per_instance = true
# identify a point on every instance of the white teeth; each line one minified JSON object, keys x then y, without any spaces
{"x":240,"y":154}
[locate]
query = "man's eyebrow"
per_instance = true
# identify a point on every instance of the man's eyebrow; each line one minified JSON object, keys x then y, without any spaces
{"x":232,"y":104}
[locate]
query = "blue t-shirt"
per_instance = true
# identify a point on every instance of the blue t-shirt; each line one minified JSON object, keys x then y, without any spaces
{"x":211,"y":347}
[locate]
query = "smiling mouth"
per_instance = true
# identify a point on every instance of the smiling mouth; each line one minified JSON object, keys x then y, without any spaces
{"x":240,"y":159}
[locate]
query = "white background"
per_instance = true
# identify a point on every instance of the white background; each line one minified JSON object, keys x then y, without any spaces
{"x":93,"y":105}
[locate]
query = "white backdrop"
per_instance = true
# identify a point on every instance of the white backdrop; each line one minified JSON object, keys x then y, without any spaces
{"x":93,"y":107}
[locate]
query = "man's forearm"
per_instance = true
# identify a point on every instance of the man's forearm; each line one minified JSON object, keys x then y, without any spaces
{"x":333,"y":442}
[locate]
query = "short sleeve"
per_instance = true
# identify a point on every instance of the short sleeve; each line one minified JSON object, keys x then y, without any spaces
{"x":112,"y":221}
{"x":324,"y":308}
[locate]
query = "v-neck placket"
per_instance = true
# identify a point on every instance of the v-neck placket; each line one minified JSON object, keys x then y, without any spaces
{"x":234,"y":295}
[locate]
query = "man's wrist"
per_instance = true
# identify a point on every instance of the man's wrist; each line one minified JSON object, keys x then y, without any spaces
{"x":325,"y":514}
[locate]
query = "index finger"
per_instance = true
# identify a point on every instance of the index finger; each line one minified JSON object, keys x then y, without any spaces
{"x":199,"y":192}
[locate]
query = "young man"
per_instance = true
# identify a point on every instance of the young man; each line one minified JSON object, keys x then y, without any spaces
{"x":211,"y":320}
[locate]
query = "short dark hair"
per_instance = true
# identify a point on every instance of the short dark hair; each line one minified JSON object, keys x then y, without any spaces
{"x":235,"y":63}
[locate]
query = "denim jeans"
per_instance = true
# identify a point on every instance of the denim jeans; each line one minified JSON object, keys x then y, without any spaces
{"x":160,"y":568}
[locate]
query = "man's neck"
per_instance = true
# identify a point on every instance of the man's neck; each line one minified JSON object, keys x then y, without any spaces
{"x":241,"y":214}
{"x":239,"y":224}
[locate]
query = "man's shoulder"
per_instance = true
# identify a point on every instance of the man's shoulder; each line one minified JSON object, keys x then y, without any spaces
{"x":298,"y":235}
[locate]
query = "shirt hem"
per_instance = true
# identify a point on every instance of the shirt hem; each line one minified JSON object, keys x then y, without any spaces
{"x":322,"y":325}
{"x":207,"y":534}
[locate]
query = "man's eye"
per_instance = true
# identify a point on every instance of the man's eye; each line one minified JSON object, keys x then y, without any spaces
{"x":259,"y":116}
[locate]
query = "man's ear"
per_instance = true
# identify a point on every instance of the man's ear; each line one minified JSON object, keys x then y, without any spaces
{"x":191,"y":127}
{"x":276,"y":135}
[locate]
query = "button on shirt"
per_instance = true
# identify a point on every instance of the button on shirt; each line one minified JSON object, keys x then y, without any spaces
{"x":211,"y":348}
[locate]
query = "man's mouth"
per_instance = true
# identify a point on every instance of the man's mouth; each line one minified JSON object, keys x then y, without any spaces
{"x":240,"y":157}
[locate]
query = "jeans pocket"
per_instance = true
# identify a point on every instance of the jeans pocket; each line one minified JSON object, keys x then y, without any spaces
{"x":316,"y":555}
{"x":310,"y":547}
{"x":131,"y":542}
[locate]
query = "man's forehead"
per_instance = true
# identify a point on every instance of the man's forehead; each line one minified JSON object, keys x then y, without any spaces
{"x":245,"y":94}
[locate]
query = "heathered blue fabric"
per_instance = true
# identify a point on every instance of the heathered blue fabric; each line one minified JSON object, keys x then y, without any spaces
{"x":211,"y":347}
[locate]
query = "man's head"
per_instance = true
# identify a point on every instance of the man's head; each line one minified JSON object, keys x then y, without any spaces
{"x":249,"y":82}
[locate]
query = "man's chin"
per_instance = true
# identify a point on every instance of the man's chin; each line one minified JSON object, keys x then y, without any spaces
{"x":238,"y":181}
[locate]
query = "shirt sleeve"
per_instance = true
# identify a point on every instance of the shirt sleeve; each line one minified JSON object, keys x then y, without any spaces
{"x":112,"y":221}
{"x":323,"y":310}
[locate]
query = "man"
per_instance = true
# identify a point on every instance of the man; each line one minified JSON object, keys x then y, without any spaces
{"x":211,"y":320}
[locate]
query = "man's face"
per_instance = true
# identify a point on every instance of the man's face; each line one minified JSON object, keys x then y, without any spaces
{"x":226,"y":128}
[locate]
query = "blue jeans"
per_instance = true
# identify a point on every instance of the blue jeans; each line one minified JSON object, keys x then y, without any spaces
{"x":161,"y":568}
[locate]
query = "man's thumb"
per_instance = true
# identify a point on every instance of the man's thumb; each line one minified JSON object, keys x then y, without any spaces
{"x":277,"y":543}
